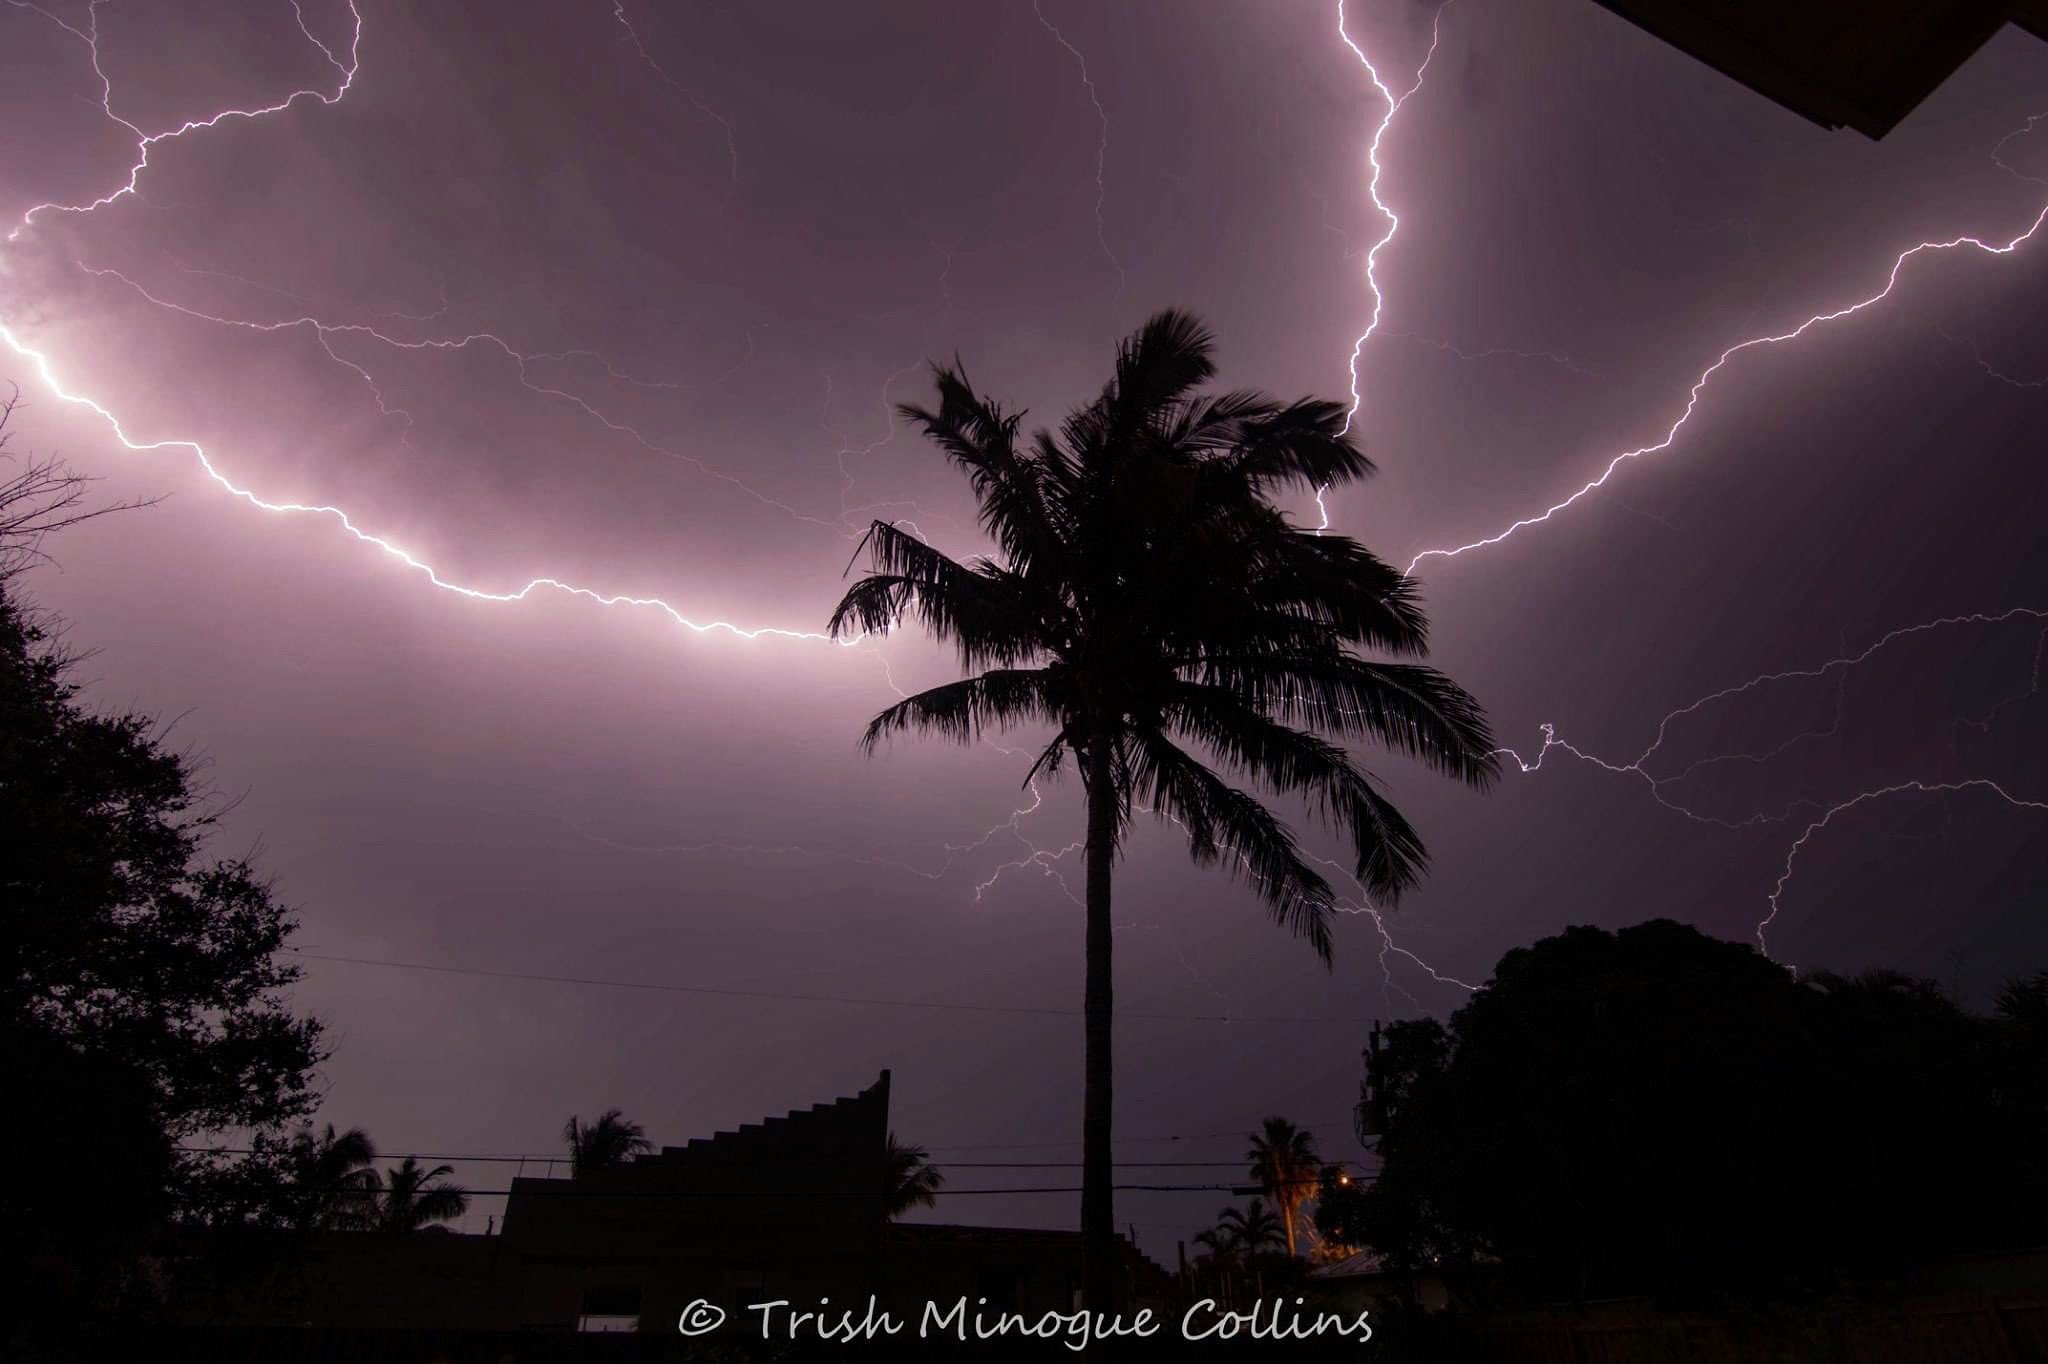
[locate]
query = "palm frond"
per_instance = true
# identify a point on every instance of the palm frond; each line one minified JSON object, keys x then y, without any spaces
{"x":1156,"y":366}
{"x":1224,"y":823}
{"x":962,"y":710}
{"x":1408,"y":708}
{"x":1009,"y":484}
{"x":975,"y":608}
{"x":1304,"y":444}
{"x":1390,"y":854}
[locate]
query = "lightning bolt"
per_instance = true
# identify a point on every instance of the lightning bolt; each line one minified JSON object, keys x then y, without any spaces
{"x":41,"y":364}
{"x":146,"y":141}
{"x":1840,"y":665}
{"x":1380,"y":205}
{"x":732,"y":145}
{"x":45,"y":370}
{"x":325,"y":331}
{"x":346,"y":70}
{"x":1998,"y":151}
{"x":1638,"y":767}
{"x":1977,"y":355}
{"x":1101,"y":143}
{"x":848,"y":450}
{"x":1989,"y":720}
{"x":1670,"y":437}
{"x":1864,"y":798}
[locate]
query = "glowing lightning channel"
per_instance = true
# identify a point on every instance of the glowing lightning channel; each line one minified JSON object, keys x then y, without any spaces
{"x":1920,"y":787}
{"x":1998,"y":152}
{"x":1706,"y":376}
{"x":90,"y":36}
{"x":1372,"y":188}
{"x":732,"y":146}
{"x":1989,"y":720}
{"x":41,"y":365}
{"x":1638,"y":767}
{"x":1977,"y":354}
{"x":324,"y":331}
{"x":1101,"y":144}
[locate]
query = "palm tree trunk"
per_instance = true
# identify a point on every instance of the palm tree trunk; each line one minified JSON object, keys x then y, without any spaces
{"x":1288,"y":1210}
{"x":1098,"y":1217}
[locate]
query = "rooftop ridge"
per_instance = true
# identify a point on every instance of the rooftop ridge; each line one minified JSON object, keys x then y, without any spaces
{"x":774,"y":1125}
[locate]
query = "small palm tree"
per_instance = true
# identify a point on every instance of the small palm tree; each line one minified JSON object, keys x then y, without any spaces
{"x":600,"y":1145}
{"x":332,"y":1177}
{"x":1249,"y":1230}
{"x":1284,"y":1161}
{"x":1217,"y":1245}
{"x":1154,"y":607}
{"x":414,"y":1196}
{"x":914,"y":1182}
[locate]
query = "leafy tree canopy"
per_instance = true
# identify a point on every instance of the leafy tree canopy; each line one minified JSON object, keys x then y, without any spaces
{"x":119,"y":937}
{"x":1653,"y":1110}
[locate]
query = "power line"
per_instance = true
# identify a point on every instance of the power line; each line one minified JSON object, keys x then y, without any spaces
{"x":1238,"y":1133}
{"x":699,"y":1163}
{"x":572,"y":1189}
{"x":797,"y":998}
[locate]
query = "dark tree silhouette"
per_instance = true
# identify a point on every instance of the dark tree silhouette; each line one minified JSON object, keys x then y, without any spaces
{"x":1149,"y":602}
{"x":82,"y":1202}
{"x":118,"y":937}
{"x":914,"y":1182}
{"x":414,"y":1196}
{"x":332,"y":1179}
{"x":1284,"y":1161}
{"x":1653,"y":1110}
{"x":1400,"y":1116}
{"x":600,"y":1145}
{"x":1242,"y":1234}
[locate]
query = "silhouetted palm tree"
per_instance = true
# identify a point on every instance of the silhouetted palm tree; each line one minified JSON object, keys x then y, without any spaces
{"x":1284,"y":1161}
{"x":1217,"y":1244}
{"x":1249,"y":1230}
{"x":609,"y":1141}
{"x":332,"y":1181}
{"x":414,"y":1196}
{"x":1149,"y":596}
{"x":914,"y":1181}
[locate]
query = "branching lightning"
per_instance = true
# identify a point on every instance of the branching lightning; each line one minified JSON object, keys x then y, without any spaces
{"x":1380,"y":205}
{"x":1670,"y":437}
{"x":1101,"y":144}
{"x":325,"y":332}
{"x":1998,"y":151}
{"x":1983,"y":784}
{"x":1982,"y":362}
{"x":1840,"y":665}
{"x":345,"y":64}
{"x":732,"y":145}
{"x":41,"y":364}
{"x":146,"y":141}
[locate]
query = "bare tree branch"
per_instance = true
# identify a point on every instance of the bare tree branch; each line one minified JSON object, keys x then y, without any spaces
{"x":38,"y":496}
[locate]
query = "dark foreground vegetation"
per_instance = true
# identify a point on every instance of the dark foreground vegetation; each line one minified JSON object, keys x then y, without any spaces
{"x":1657,"y":1112}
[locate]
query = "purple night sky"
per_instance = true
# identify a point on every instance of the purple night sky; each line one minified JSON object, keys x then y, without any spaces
{"x":699,"y":248}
